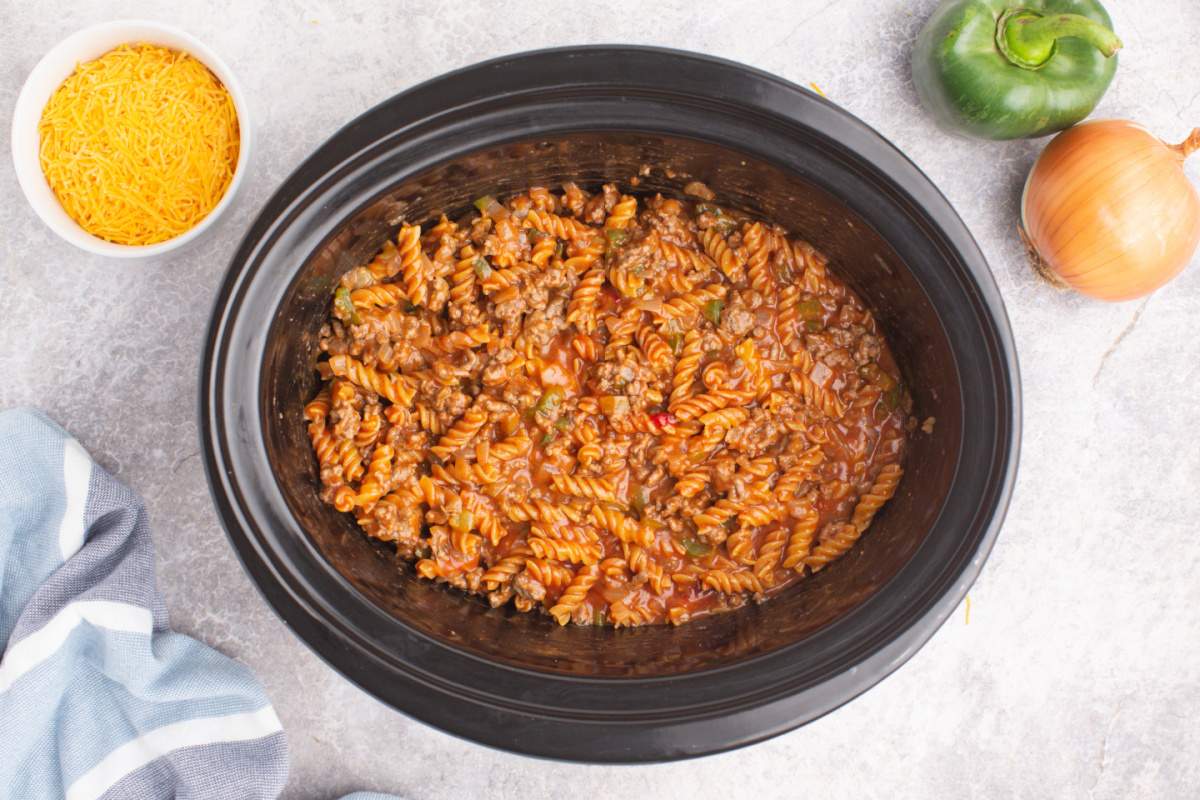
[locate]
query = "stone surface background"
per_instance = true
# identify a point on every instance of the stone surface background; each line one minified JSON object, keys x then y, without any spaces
{"x":1078,"y":671}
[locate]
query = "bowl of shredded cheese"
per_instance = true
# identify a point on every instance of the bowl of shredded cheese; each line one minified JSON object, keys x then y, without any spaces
{"x":130,"y":138}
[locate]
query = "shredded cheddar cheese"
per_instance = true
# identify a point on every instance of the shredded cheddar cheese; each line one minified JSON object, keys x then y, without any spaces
{"x":140,"y":144}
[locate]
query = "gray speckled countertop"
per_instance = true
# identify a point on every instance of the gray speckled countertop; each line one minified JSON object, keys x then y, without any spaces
{"x":1076,"y":672}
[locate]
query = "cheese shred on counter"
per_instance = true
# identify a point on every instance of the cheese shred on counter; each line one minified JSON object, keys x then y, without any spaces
{"x":140,"y":144}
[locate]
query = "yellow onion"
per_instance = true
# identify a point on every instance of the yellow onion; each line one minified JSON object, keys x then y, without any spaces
{"x":1109,"y":211}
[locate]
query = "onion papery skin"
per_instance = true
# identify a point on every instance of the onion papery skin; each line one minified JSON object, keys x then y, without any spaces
{"x":1109,"y":211}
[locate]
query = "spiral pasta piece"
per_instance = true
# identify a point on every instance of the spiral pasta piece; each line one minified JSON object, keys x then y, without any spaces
{"x":621,"y":331}
{"x":760,"y":376}
{"x":571,"y":532}
{"x":719,"y":251}
{"x":682,"y":257}
{"x":621,"y":526}
{"x":698,"y":406}
{"x":462,"y":279}
{"x":835,"y":541}
{"x":412,"y":264}
{"x":626,"y":282}
{"x":541,"y":198}
{"x":761,"y":510}
{"x":461,"y":433}
{"x":512,"y":447}
{"x":369,"y":429}
{"x":758,"y":251}
{"x":725,"y":417}
{"x":561,"y":550}
{"x":431,"y":493}
{"x":584,"y":253}
{"x":318,"y":408}
{"x":554,"y":225}
{"x":390,"y":385}
{"x":386,"y":263}
{"x":443,"y":229}
{"x":468,"y":339}
{"x":727,"y":582}
{"x":324,"y":445}
{"x":622,"y":214}
{"x":544,"y":249}
{"x":349,"y":458}
{"x":788,"y":324}
{"x":693,"y":482}
{"x":623,"y":615}
{"x":343,"y":498}
{"x":717,"y":514}
{"x":641,"y":563}
{"x":465,"y":542}
{"x":762,"y":467}
{"x":427,"y":419}
{"x":507,"y":278}
{"x":585,"y":486}
{"x":803,"y":470}
{"x":642,"y":422}
{"x":740,"y":545}
{"x":535,"y":510}
{"x":879,"y":493}
{"x":575,"y":593}
{"x":548,"y":573}
{"x":465,"y":472}
{"x":769,"y":555}
{"x":685,"y":307}
{"x":379,"y":296}
{"x":815,"y":280}
{"x":657,"y":351}
{"x":686,"y":368}
{"x":505,"y":569}
{"x":589,"y":454}
{"x":581,"y":310}
{"x":615,"y":569}
{"x":374,"y":485}
{"x":585,"y":347}
{"x":490,"y":526}
{"x":715,"y":375}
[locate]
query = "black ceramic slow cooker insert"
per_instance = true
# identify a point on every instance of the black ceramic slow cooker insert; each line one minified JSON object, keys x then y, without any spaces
{"x":595,"y":114}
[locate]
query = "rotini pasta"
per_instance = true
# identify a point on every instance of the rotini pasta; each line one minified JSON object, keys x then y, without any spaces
{"x":686,"y":368}
{"x":460,"y":433}
{"x":611,"y":409}
{"x":385,"y":294}
{"x":566,"y":552}
{"x":836,"y":540}
{"x":622,"y":213}
{"x":769,"y":555}
{"x":575,"y":593}
{"x":581,"y":310}
{"x":412,"y":264}
{"x":725,"y":257}
{"x":874,"y":498}
{"x":391,"y":386}
{"x":559,"y":227}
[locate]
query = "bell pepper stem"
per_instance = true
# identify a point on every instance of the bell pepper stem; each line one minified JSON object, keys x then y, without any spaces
{"x":1189,"y":145}
{"x":1028,"y":39}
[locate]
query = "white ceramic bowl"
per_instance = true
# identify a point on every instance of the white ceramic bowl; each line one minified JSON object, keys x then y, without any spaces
{"x":48,"y":75}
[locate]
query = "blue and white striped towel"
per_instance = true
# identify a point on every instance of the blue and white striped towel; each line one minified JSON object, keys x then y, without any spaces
{"x":98,"y":698}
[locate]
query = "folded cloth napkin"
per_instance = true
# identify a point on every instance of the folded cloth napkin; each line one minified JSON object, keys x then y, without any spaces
{"x":98,"y":698}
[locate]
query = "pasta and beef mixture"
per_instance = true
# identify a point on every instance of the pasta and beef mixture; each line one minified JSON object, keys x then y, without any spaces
{"x":618,"y":411}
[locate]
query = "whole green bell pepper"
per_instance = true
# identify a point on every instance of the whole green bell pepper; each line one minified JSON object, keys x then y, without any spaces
{"x":1000,"y":69}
